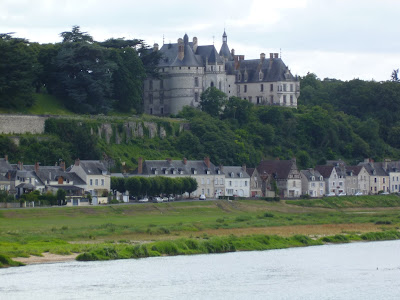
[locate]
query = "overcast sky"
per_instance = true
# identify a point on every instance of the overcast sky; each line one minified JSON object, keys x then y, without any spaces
{"x":342,"y":39}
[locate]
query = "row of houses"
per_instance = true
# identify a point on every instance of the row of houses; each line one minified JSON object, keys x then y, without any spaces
{"x":268,"y":178}
{"x":281,"y":176}
{"x":83,"y":178}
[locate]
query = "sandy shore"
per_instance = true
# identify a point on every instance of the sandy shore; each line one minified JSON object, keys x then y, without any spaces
{"x":46,"y":258}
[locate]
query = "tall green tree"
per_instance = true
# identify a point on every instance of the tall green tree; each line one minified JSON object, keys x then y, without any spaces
{"x":212,"y":100}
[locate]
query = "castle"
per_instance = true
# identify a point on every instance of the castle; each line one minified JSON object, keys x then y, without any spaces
{"x":187,"y":69}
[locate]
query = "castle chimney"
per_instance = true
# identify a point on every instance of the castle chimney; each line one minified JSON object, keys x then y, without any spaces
{"x":36,"y":167}
{"x":181,"y":49}
{"x":207,"y":161}
{"x":62,"y":165}
{"x":262,"y":57}
{"x":140,"y":165}
{"x":155,"y":47}
{"x":195,"y":44}
{"x":184,"y":161}
{"x":276,"y":55}
{"x":6,"y":157}
{"x":77,"y":162}
{"x":271,"y":57}
{"x":233,"y":52}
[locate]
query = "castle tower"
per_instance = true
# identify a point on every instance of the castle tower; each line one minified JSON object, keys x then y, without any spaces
{"x":225,"y":52}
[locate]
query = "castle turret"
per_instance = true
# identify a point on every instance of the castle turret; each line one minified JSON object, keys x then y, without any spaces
{"x":225,"y":52}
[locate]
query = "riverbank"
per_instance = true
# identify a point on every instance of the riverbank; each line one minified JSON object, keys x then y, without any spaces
{"x":126,"y":231}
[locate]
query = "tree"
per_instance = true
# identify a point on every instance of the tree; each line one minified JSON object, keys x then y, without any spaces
{"x":75,"y":36}
{"x":134,"y":186}
{"x":395,"y":75}
{"x":18,"y":62}
{"x":118,"y":184}
{"x":61,"y":196}
{"x":212,"y":100}
{"x":238,"y":109}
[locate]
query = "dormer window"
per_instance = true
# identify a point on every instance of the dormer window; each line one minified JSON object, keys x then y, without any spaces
{"x":260,"y":76}
{"x":240,"y":174}
{"x":231,"y":174}
{"x":321,"y":178}
{"x":312,"y":178}
{"x":208,"y":172}
{"x":240,"y":77}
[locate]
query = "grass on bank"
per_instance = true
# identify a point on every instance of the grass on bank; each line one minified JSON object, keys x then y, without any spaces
{"x":391,"y":200}
{"x":220,"y":225}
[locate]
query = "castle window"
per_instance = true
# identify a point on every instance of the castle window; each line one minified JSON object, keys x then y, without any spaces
{"x":212,"y":68}
{"x":188,"y":68}
{"x":258,"y":100}
{"x":246,"y":77}
{"x":161,"y":98}
{"x":220,"y":85}
{"x":151,"y":85}
{"x":161,"y":84}
{"x":151,"y":98}
{"x":262,"y":88}
{"x":250,"y":99}
{"x":291,"y":99}
{"x":196,"y":81}
{"x":284,"y":99}
{"x":272,"y":99}
{"x":238,"y":88}
{"x":151,"y":111}
{"x":245,"y":88}
{"x":162,"y":110}
{"x":284,"y":87}
{"x":291,"y":87}
{"x":240,"y":77}
{"x":260,"y":76}
{"x":271,"y":87}
{"x":212,"y":83}
{"x":196,"y":97}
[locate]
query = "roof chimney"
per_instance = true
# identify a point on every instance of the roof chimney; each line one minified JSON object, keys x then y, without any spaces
{"x":181,"y":49}
{"x":6,"y":157}
{"x":244,"y":167}
{"x":184,"y":161}
{"x":77,"y":162}
{"x":36,"y":167}
{"x":62,"y":165}
{"x":140,"y":165}
{"x":195,"y":44}
{"x":169,"y":160}
{"x":155,"y":47}
{"x":262,"y":57}
{"x":221,"y":167}
{"x":207,"y":161}
{"x":276,"y":55}
{"x":20,"y":165}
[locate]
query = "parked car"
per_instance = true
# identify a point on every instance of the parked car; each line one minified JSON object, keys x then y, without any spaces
{"x":330,"y":194}
{"x":342,"y":194}
{"x":144,"y":200}
{"x":165,"y":199}
{"x":385,"y":193}
{"x":202,"y":197}
{"x":358,"y":194}
{"x":171,"y":198}
{"x":157,"y":200}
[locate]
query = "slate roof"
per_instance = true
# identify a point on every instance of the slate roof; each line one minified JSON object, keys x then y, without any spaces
{"x":167,"y":167}
{"x":93,"y":167}
{"x":355,"y":170}
{"x":325,"y":170}
{"x":310,"y":173}
{"x":225,"y":52}
{"x":4,"y":166}
{"x":234,"y":172}
{"x":274,"y":71}
{"x":374,"y":169}
{"x":250,"y":171}
{"x":191,"y":58}
{"x":279,"y":169}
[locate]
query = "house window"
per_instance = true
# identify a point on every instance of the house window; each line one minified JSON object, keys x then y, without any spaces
{"x":294,"y":183}
{"x":245,"y":183}
{"x":375,"y":179}
{"x":384,"y":180}
{"x":102,"y":182}
{"x":221,"y":181}
{"x":196,"y":81}
{"x":202,"y":181}
{"x":230,"y":183}
{"x":208,"y":180}
{"x":262,"y":88}
{"x":91,"y":181}
{"x":271,"y":87}
{"x":96,"y":182}
{"x":245,"y":88}
{"x":216,"y":181}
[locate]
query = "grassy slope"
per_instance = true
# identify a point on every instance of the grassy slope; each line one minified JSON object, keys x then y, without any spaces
{"x":25,"y":232}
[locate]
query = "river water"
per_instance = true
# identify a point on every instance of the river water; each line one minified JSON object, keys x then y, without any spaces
{"x":348,"y":271}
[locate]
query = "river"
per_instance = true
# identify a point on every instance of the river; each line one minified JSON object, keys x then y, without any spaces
{"x":348,"y":271}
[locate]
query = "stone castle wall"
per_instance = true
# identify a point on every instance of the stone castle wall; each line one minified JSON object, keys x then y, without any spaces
{"x":18,"y":124}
